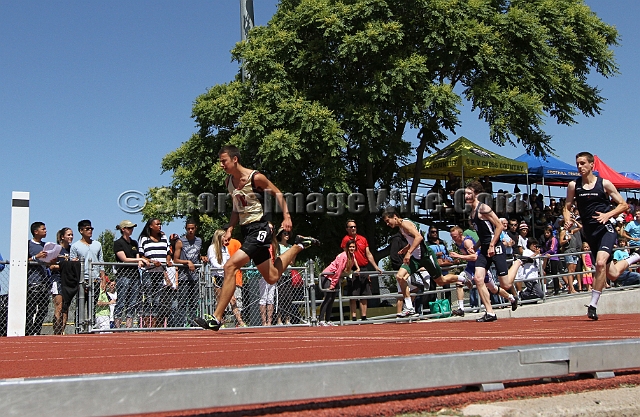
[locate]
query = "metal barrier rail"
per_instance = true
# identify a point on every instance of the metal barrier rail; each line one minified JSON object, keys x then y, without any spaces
{"x":542,"y":279}
{"x":300,"y":306}
{"x":39,"y":304}
{"x":167,"y":391}
{"x":159,"y":303}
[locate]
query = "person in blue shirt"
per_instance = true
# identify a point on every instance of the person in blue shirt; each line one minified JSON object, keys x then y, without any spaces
{"x":38,"y":282}
{"x":632,"y":230}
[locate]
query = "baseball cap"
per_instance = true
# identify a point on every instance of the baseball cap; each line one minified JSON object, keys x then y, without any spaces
{"x":126,"y":223}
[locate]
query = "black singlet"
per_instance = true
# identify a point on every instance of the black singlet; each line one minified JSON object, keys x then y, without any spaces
{"x":484,"y":228}
{"x":591,"y":201}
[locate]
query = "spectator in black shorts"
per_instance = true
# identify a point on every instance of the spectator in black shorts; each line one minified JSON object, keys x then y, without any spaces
{"x":359,"y":285}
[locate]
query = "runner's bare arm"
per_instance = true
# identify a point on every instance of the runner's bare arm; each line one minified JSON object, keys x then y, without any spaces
{"x":232,"y":222}
{"x":566,"y":210}
{"x":470,"y":255}
{"x":621,"y":207}
{"x":263,"y":183}
{"x":372,"y":260}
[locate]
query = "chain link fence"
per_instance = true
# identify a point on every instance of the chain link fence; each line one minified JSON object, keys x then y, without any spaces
{"x":168,"y":298}
{"x":171,"y":297}
{"x":44,"y":309}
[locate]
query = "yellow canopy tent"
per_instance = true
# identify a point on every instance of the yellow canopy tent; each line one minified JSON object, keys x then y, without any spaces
{"x":466,"y":159}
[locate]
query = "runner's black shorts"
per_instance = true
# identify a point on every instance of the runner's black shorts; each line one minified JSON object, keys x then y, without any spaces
{"x":601,"y":238}
{"x":499,"y":259}
{"x":257,"y":240}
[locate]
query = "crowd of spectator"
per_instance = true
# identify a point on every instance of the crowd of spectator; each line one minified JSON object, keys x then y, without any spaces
{"x":155,"y":284}
{"x":160,"y":283}
{"x":146,"y":286}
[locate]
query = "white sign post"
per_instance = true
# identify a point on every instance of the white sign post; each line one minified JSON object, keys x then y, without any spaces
{"x":19,"y":262}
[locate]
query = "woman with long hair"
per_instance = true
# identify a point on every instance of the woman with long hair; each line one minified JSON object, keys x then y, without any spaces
{"x":286,"y":290}
{"x":342,"y":266}
{"x":267,"y":300}
{"x":218,"y":254}
{"x":550,"y":253}
{"x":64,"y":237}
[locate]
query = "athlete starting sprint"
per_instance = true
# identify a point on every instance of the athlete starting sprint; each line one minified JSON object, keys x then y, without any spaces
{"x":247,"y":188}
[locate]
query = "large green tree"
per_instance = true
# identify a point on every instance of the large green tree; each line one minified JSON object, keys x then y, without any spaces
{"x":335,"y":84}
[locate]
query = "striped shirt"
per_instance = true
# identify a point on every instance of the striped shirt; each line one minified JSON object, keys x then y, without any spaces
{"x":154,"y":251}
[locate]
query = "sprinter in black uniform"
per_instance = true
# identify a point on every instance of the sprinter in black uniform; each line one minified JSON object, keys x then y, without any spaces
{"x":488,"y":227}
{"x":599,"y":203}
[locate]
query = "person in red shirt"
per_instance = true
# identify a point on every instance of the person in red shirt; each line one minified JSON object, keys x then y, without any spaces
{"x":359,"y":285}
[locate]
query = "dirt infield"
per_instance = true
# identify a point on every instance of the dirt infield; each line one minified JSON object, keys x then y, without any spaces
{"x":42,"y":356}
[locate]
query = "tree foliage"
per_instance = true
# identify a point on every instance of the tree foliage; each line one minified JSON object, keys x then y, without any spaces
{"x":106,"y":239}
{"x":336,"y":83}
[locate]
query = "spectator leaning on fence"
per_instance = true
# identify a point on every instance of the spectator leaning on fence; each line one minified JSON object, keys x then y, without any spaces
{"x":38,"y":285}
{"x":187,"y":253}
{"x":343,"y":265}
{"x":620,"y":254}
{"x":439,"y":247}
{"x":528,"y":268}
{"x":102,"y":306}
{"x":218,"y":254}
{"x":286,"y":291}
{"x":550,"y":251}
{"x":359,"y":285}
{"x":632,"y":230}
{"x":127,"y":277}
{"x":570,"y":244}
{"x":154,"y":247}
{"x":469,"y":254}
{"x":88,"y":250}
{"x":64,"y":237}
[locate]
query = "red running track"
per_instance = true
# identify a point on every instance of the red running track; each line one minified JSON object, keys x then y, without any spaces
{"x":39,"y":356}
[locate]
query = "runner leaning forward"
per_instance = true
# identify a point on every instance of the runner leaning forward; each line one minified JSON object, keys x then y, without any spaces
{"x":488,"y":227}
{"x":416,"y":256}
{"x":247,"y":188}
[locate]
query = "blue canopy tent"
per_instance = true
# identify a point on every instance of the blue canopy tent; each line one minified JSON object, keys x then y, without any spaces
{"x":631,"y":175}
{"x":543,"y":170}
{"x":549,"y":171}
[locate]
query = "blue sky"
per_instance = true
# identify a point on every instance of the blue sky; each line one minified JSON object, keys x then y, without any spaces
{"x":94,"y":94}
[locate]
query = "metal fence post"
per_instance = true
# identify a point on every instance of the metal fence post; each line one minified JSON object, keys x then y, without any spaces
{"x":339,"y":289}
{"x":91,"y":297}
{"x":312,"y":292}
{"x":81,"y":299}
